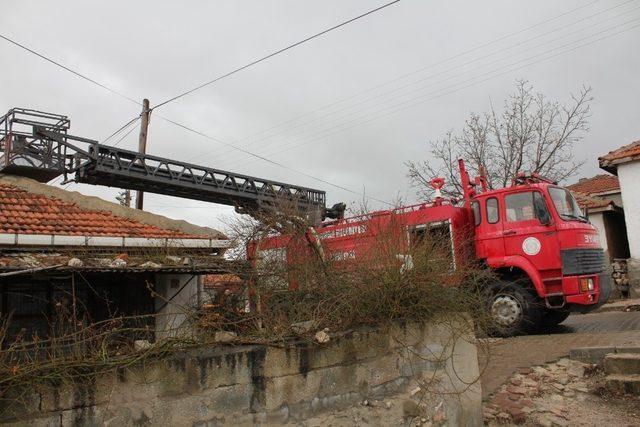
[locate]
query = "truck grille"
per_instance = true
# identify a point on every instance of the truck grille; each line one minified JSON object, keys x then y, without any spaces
{"x":582,"y":261}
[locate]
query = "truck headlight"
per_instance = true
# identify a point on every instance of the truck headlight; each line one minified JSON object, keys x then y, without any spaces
{"x":586,"y":284}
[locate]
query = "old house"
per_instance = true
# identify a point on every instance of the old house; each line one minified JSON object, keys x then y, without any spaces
{"x":600,"y":198}
{"x":63,"y":251}
{"x":625,"y":164}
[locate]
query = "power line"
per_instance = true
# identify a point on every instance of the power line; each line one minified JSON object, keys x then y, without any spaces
{"x":277,"y":52}
{"x":406,"y":75}
{"x":413,"y":91}
{"x":264,"y":58}
{"x":322,"y":133}
{"x":185,"y":126}
{"x":78,"y":74}
{"x":123,"y":127}
{"x":253,"y":154}
{"x":421,"y":101}
{"x":124,"y":136}
{"x":197,"y":132}
{"x":82,"y":76}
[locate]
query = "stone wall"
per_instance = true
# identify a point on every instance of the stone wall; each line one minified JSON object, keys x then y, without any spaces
{"x":246,"y":385}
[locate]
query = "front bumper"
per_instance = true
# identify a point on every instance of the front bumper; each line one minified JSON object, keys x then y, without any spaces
{"x":591,"y":300}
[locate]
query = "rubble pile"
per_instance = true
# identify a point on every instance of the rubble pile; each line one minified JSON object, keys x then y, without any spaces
{"x":539,"y":394}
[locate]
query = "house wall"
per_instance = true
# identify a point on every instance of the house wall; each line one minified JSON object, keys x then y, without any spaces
{"x":597,"y":220}
{"x":629,"y":175}
{"x":178,"y":294}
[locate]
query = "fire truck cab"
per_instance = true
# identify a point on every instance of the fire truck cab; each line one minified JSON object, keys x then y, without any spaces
{"x":545,"y":252}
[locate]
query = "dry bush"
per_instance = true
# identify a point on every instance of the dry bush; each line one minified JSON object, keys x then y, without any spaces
{"x":387,"y":282}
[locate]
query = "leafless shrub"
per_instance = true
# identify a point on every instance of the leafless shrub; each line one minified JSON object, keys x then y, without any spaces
{"x":387,"y":282}
{"x":531,"y":134}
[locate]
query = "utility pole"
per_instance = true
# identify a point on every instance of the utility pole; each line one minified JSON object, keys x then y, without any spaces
{"x":142,"y":143}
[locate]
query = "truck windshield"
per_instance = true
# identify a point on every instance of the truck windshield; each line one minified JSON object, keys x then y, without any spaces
{"x":565,"y":204}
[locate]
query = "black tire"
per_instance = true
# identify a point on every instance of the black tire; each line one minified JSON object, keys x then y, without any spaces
{"x":513,"y":309}
{"x":551,"y":318}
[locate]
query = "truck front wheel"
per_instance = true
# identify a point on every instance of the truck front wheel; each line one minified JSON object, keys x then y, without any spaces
{"x":552,"y":318}
{"x":512,"y":309}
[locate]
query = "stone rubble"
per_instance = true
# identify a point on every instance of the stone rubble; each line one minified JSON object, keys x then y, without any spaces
{"x":519,"y":400}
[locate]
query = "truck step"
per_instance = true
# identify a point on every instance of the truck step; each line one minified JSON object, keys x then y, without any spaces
{"x":622,"y":363}
{"x":629,"y":384}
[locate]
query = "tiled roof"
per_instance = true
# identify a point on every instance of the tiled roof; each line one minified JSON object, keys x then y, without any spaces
{"x":586,"y":201}
{"x":598,"y":184}
{"x":624,"y":154}
{"x":23,"y":212}
{"x":221,"y":281}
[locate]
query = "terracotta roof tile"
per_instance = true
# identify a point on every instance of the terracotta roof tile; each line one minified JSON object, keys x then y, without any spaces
{"x":623,"y":154}
{"x":586,"y":201}
{"x":222,"y":282}
{"x":24,"y":212}
{"x":597,"y":184}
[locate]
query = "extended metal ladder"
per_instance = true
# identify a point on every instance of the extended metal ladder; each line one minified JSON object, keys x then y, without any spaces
{"x":37,"y":145}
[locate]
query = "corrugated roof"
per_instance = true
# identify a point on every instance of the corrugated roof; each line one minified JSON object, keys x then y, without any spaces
{"x":598,"y":184}
{"x":29,"y":213}
{"x":624,"y":154}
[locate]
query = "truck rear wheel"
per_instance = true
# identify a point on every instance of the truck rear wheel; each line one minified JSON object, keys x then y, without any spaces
{"x":512,"y":309}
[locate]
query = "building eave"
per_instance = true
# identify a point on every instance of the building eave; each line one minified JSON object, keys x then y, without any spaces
{"x":43,"y":240}
{"x":611,"y":166}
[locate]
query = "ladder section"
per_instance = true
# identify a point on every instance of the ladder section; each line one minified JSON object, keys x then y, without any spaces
{"x":117,"y":167}
{"x":37,"y":145}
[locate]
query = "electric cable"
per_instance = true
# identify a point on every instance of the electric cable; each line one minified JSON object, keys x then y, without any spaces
{"x":124,"y":136}
{"x":273,"y":162}
{"x":403,"y":76}
{"x":421,"y":101}
{"x":64,"y":67}
{"x":413,"y":91}
{"x":246,"y":151}
{"x":184,"y":126}
{"x":277,"y":52}
{"x":123,"y":127}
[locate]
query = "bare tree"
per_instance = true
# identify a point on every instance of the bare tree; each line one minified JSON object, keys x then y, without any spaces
{"x":531,"y":134}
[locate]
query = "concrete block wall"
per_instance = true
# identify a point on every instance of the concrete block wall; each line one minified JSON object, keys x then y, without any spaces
{"x":247,"y":385}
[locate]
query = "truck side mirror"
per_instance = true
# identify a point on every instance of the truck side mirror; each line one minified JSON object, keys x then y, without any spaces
{"x":540,"y":207}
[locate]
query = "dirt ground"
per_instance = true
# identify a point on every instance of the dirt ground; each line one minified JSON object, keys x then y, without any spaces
{"x":406,"y":409}
{"x":564,"y":393}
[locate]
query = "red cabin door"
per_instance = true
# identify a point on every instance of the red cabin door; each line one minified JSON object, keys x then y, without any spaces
{"x":529,"y":230}
{"x":489,"y":227}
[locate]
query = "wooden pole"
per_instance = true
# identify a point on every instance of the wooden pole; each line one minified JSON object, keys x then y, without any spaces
{"x":142,"y":143}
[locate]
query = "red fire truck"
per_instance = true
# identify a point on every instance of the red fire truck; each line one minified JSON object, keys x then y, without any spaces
{"x":546,"y":255}
{"x":532,"y":234}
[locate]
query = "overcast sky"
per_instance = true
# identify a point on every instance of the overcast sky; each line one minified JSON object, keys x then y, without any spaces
{"x":350,"y":107}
